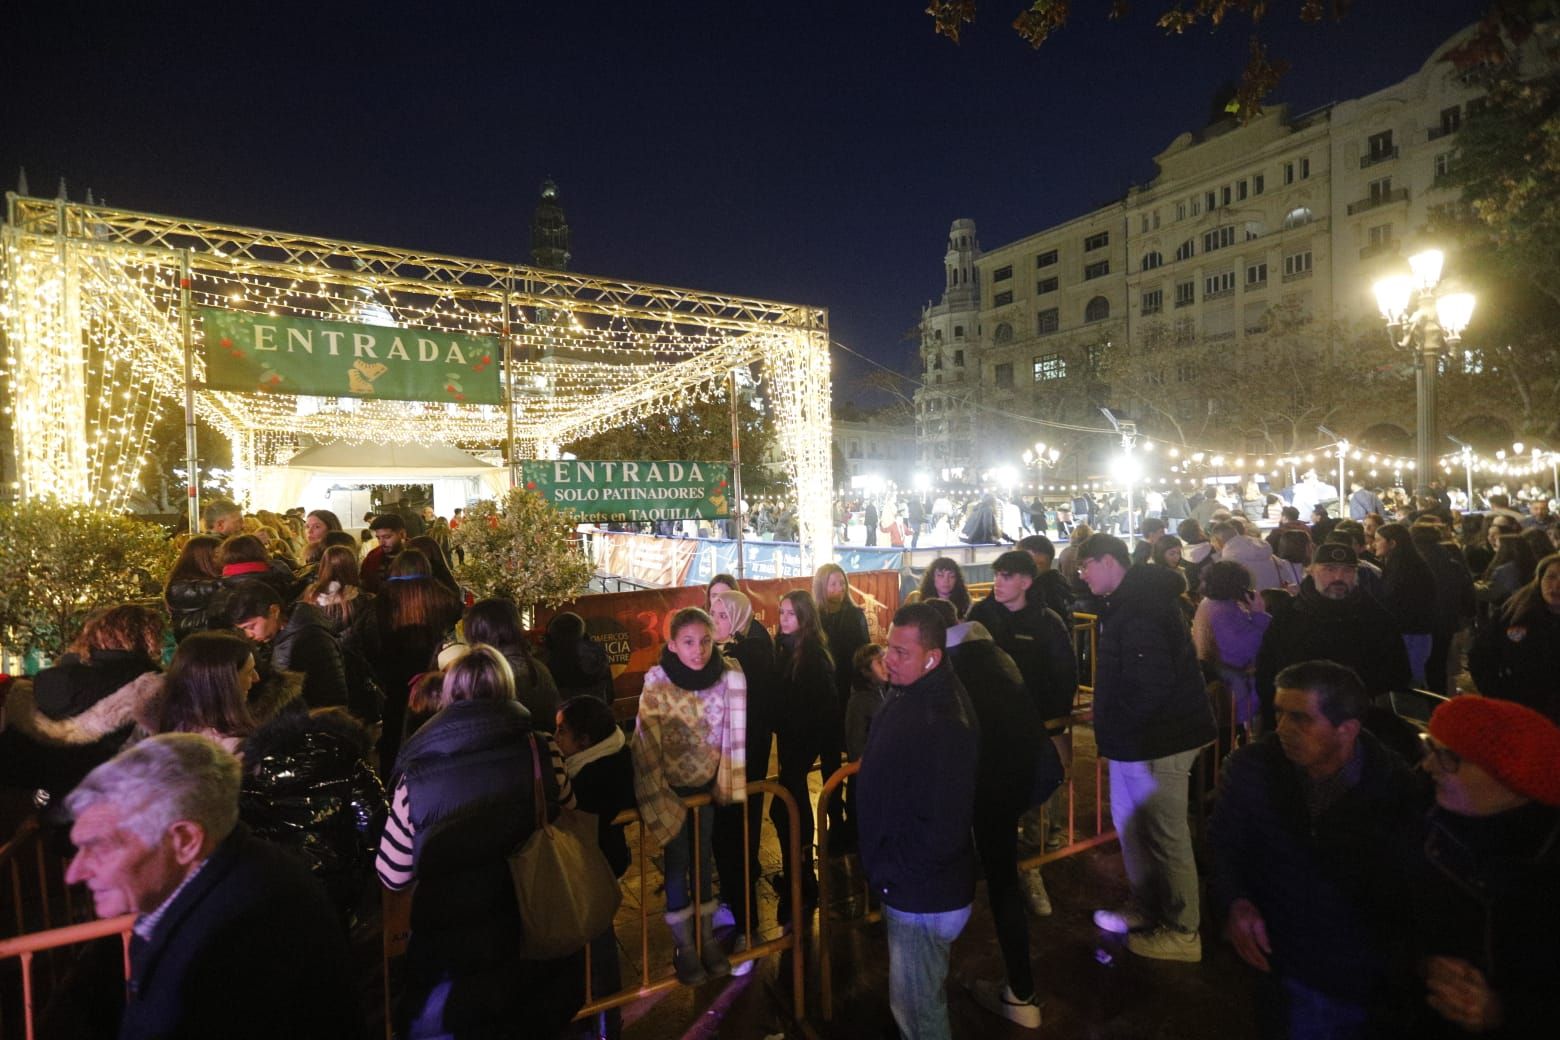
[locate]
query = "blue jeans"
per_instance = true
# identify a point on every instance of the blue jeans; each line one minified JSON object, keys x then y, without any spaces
{"x":1148,"y":802}
{"x":918,"y":969}
{"x":678,"y":854}
{"x":1418,"y":646}
{"x":1291,"y":1010}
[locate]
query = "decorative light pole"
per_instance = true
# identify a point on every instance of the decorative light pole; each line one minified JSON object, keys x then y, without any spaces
{"x":1421,"y":319}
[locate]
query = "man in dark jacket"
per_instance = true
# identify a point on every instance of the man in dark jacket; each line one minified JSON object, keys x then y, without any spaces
{"x":1011,"y":732}
{"x":917,"y":802}
{"x":1050,"y":589}
{"x":233,"y":938}
{"x":1333,"y":619}
{"x":390,"y":532}
{"x":1302,"y":841}
{"x":1151,"y":720}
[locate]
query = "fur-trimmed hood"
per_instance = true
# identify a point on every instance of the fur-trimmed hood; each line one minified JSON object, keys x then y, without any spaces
{"x":137,"y":703}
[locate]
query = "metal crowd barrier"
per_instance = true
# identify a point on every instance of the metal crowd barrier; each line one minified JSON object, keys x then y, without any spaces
{"x":397,"y":915}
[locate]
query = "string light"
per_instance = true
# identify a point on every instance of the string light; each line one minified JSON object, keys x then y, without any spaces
{"x":588,"y":354}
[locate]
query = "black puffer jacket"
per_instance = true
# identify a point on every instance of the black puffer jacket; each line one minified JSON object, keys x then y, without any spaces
{"x":306,"y":644}
{"x":1040,"y":644}
{"x":846,"y":631}
{"x":1408,"y":591}
{"x":1011,"y":729}
{"x":1149,"y":700}
{"x":190,"y":604}
{"x":308,"y":786}
{"x":1519,"y":660}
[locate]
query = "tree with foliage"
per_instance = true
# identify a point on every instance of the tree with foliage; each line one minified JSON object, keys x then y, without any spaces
{"x":59,"y":562}
{"x":163,"y":478}
{"x":522,"y":549}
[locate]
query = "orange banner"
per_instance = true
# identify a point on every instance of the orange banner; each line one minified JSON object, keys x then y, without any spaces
{"x":631,"y":626}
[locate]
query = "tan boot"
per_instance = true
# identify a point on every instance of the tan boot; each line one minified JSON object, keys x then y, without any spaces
{"x":686,"y":960}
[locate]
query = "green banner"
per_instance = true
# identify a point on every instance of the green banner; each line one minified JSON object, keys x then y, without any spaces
{"x":256,"y":353}
{"x":630,"y":490}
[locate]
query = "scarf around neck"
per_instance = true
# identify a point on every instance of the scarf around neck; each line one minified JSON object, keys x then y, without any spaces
{"x":687,"y":678}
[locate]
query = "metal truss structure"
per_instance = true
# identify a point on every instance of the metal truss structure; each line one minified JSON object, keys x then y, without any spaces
{"x":99,"y":309}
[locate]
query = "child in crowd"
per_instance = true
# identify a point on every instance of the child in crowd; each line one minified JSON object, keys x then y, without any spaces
{"x":690,"y":739}
{"x":868,"y":690}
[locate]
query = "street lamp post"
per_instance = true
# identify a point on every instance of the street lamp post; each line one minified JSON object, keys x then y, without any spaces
{"x":1422,"y":319}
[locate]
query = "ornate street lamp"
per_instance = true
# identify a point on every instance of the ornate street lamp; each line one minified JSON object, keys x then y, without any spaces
{"x":1420,"y":318}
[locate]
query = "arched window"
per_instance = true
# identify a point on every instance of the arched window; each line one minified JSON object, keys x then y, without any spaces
{"x":1002,"y":333}
{"x":1098,"y":309}
{"x":1152,"y":259}
{"x":1186,"y":250}
{"x":1297,"y":216}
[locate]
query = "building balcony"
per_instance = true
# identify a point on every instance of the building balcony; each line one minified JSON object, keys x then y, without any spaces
{"x":1376,"y":201}
{"x":1367,"y":161}
{"x":1438,"y":132}
{"x":1297,"y":276}
{"x":1219,"y":294}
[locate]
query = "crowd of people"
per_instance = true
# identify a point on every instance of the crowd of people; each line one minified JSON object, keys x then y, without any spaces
{"x":357,"y":721}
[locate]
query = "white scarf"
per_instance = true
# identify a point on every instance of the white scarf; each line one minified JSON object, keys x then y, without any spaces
{"x":600,"y":749}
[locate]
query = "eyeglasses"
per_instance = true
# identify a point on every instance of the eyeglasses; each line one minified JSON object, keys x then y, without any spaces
{"x":1446,"y":760}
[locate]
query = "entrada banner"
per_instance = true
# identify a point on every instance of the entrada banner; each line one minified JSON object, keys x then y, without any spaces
{"x":630,"y":490}
{"x":256,"y":353}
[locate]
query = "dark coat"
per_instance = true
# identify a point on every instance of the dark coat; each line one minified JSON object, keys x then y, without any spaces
{"x":1051,"y":591}
{"x":605,"y":787}
{"x":1408,"y":591}
{"x":1325,"y":887}
{"x":846,"y":632}
{"x":757,"y":658}
{"x":1356,"y":631}
{"x":249,"y":948}
{"x":1483,"y":890}
{"x":469,"y":790}
{"x":1455,"y":603}
{"x":579,"y":669}
{"x":1011,"y":727}
{"x":1519,"y":660}
{"x":1149,"y":699}
{"x":917,"y":796}
{"x":534,"y":687}
{"x":308,"y":786}
{"x":306,"y":644}
{"x":1041,"y":645}
{"x":190,"y":604}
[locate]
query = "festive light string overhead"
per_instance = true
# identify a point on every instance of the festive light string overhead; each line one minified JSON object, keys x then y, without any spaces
{"x":92,"y":304}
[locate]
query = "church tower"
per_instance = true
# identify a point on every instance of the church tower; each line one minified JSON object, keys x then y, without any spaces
{"x":550,"y":231}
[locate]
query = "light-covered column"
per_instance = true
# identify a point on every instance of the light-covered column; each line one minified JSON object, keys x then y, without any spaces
{"x":800,"y":387}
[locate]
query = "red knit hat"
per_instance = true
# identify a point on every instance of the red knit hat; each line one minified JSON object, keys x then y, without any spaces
{"x":1513,"y":743}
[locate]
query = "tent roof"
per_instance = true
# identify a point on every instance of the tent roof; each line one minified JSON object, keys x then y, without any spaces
{"x":407,"y":459}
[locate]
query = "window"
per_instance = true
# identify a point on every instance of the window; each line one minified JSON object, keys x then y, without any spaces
{"x":1380,"y":235}
{"x":1186,"y":372}
{"x":1297,"y":264}
{"x":1098,"y":269}
{"x":1185,"y":250}
{"x":1046,"y":259}
{"x":958,"y":357}
{"x":1003,"y":374}
{"x":1185,"y":294}
{"x":1258,"y":182}
{"x":1152,"y":259}
{"x":1379,"y":145}
{"x":1002,"y":274}
{"x":958,"y":332}
{"x":1305,"y":169}
{"x":1254,"y":230}
{"x":1196,"y":206}
{"x":1224,"y":195}
{"x":937,"y":362}
{"x":1380,"y":190}
{"x":1443,"y":165}
{"x":1240,"y":191}
{"x":1256,"y":318}
{"x":1298,"y":216}
{"x":1099,"y":241}
{"x":1210,"y":200}
{"x":1185,"y":332}
{"x":1289,"y":173}
{"x":1045,"y":285}
{"x":1218,"y":238}
{"x":1180,"y":211}
{"x":1156,"y":220}
{"x":1451,"y":120}
{"x":1050,"y":366}
{"x":1256,"y":275}
{"x":1002,"y":299}
{"x":1219,"y":284}
{"x":1003,"y":332}
{"x":1048,"y":320}
{"x":1153,"y":301}
{"x":1097,"y":309}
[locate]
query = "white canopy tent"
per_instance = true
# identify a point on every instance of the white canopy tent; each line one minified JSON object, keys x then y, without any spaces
{"x":324,"y":477}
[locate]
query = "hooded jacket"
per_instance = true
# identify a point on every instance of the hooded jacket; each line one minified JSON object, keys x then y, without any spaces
{"x":1257,"y":557}
{"x":306,"y":644}
{"x":1011,"y":728}
{"x":1149,"y":699}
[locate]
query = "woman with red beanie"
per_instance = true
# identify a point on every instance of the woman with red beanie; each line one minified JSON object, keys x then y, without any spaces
{"x":1485,"y":877}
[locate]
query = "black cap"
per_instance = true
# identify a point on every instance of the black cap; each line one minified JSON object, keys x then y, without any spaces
{"x":1336,"y":553}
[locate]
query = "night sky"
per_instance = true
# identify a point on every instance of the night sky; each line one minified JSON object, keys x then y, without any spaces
{"x":810,"y":152}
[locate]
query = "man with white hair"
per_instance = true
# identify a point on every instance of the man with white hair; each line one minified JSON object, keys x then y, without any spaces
{"x":232,"y":936}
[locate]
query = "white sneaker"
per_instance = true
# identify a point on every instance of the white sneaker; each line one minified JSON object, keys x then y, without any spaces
{"x":1166,"y":944}
{"x":998,"y":998}
{"x":1035,"y":895}
{"x":1120,"y":921}
{"x":740,"y":968}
